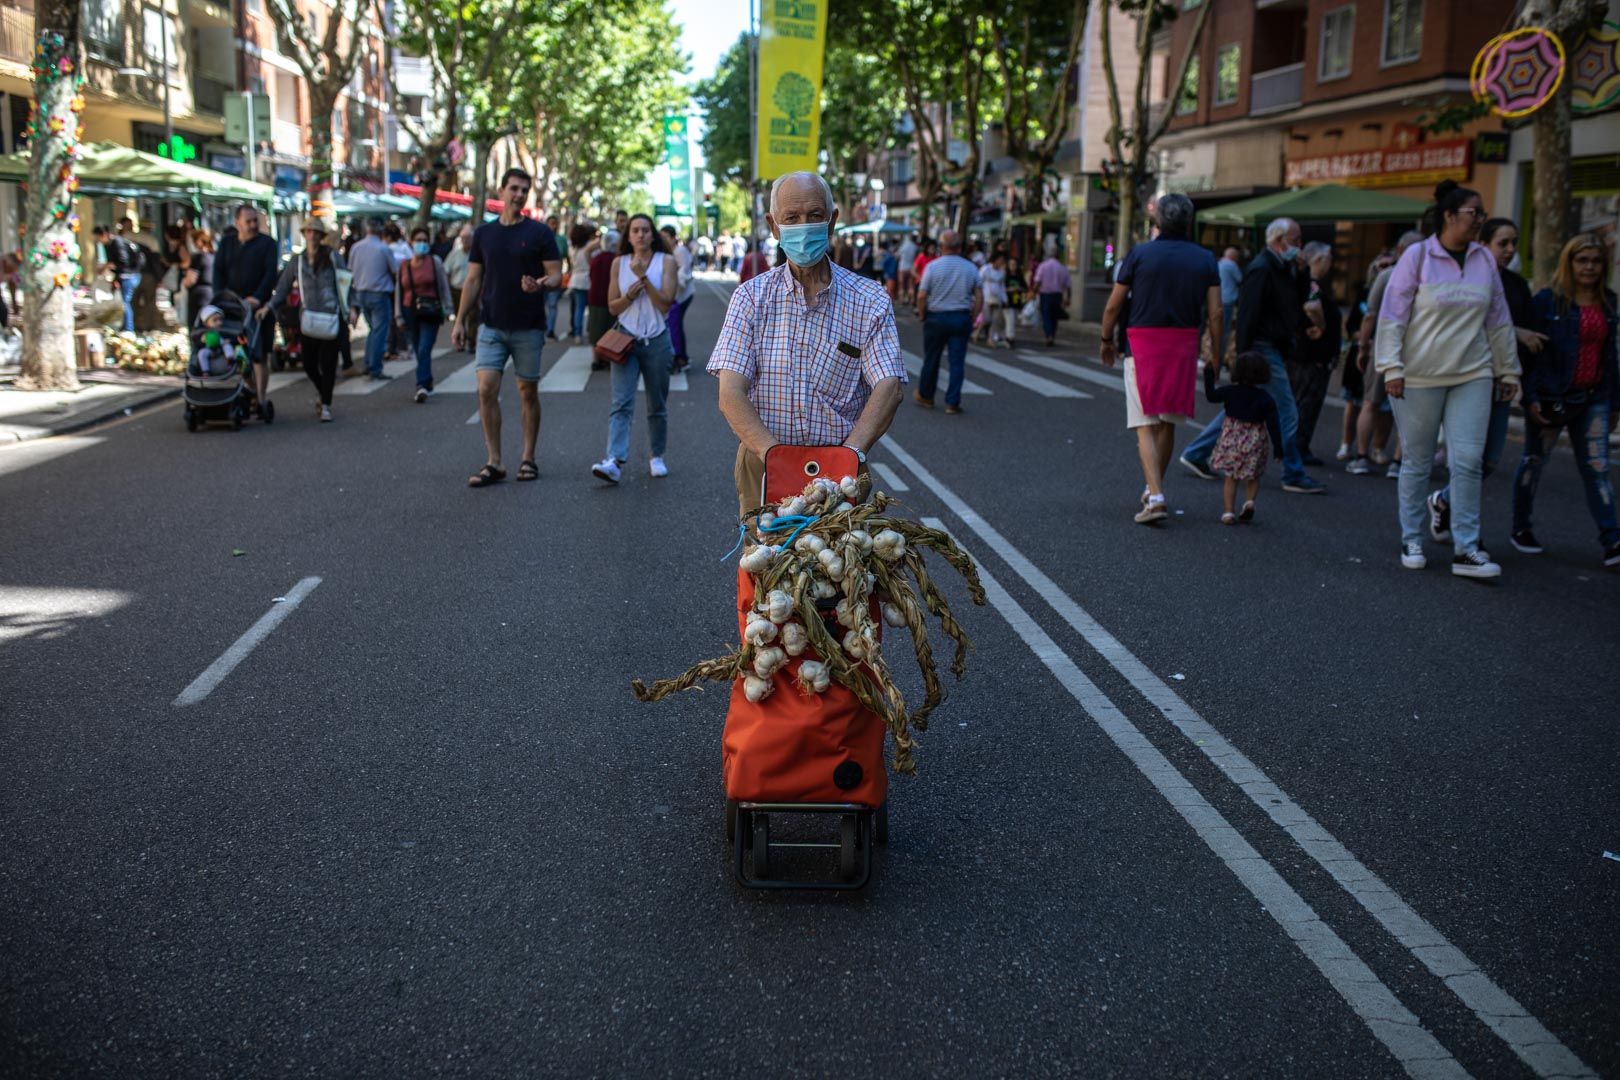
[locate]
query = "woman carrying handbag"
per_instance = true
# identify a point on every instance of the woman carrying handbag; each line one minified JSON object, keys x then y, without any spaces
{"x":421,"y":298}
{"x":320,"y":312}
{"x":641,"y":288}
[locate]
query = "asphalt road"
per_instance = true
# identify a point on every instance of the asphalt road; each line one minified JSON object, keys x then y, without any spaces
{"x":1221,"y":802}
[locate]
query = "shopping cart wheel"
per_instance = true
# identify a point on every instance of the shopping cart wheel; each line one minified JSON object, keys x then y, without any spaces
{"x":268,"y":412}
{"x":880,"y":830}
{"x":849,"y":831}
{"x":731,"y":820}
{"x":191,"y":418}
{"x":762,"y":845}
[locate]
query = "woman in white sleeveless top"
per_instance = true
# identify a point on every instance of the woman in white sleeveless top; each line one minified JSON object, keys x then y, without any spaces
{"x":641,"y":288}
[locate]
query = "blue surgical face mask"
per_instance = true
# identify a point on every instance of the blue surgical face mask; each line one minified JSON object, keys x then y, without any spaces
{"x":1289,"y":254}
{"x":420,"y":247}
{"x":806,"y":245}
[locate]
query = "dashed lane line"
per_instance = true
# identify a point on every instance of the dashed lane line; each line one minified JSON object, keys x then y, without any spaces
{"x":204,"y":684}
{"x":891,"y":479}
{"x":1531,"y":1041}
{"x":1391,"y":1022}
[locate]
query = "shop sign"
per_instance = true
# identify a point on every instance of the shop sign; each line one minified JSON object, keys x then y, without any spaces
{"x":1412,"y":166}
{"x":1491,"y":148}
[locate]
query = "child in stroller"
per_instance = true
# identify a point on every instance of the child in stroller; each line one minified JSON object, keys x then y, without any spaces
{"x":217,"y":386}
{"x":290,"y":351}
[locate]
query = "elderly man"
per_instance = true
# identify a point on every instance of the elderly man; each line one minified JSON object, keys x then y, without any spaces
{"x":1271,"y":310}
{"x":949,"y":297}
{"x":374,"y":284}
{"x":809,"y":354}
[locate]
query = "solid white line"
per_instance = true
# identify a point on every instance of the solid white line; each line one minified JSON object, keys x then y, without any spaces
{"x":1419,"y":1053}
{"x":914,"y":365}
{"x":1536,"y":1046}
{"x":890,"y":478}
{"x":205,"y":683}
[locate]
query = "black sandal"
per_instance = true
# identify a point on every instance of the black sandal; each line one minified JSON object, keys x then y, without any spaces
{"x":528,"y":470}
{"x":486,"y":476}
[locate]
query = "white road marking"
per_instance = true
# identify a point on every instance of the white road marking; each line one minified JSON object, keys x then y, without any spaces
{"x":1041,"y":386}
{"x":1536,"y":1046}
{"x":363,"y":384}
{"x":677,"y":383}
{"x":1112,"y":380}
{"x":1419,"y":1053}
{"x":463,"y":380}
{"x":890,"y":478}
{"x":914,"y":365}
{"x":28,"y":611}
{"x":204,"y":684}
{"x":570,"y":373}
{"x":15,"y":457}
{"x":283,"y":379}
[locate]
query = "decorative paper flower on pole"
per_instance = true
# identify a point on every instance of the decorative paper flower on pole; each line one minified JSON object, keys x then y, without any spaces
{"x":1518,"y":72}
{"x":60,"y":133}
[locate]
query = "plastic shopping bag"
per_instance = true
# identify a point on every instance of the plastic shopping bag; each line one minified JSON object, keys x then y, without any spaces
{"x":1030,"y":314}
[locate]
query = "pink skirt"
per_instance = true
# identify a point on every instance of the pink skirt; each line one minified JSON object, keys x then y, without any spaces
{"x":1242,"y":451}
{"x":1166,"y":368}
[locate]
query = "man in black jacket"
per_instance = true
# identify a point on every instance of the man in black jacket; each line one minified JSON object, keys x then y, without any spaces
{"x":246,"y":264}
{"x":1270,"y":312}
{"x":123,"y":260}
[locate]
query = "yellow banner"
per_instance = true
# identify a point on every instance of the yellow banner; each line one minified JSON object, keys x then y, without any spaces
{"x":792,"y":35}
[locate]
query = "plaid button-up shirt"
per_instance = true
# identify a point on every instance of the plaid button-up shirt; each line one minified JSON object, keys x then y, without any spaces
{"x":808,"y":391}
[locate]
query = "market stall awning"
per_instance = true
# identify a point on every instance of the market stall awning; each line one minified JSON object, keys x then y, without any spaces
{"x":1323,"y":203}
{"x":367,"y":204}
{"x":106,"y":168}
{"x":452,"y":198}
{"x":869,"y":228}
{"x":1037,"y":220}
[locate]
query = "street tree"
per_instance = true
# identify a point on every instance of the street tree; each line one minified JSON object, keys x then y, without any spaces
{"x":50,"y":240}
{"x":1553,"y":219}
{"x":1131,"y":139}
{"x":866,"y":106}
{"x":462,"y":41}
{"x":728,"y":113}
{"x":328,"y":61}
{"x":1036,"y":45}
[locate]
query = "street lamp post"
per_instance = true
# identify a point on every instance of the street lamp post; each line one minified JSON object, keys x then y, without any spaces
{"x":162,"y":74}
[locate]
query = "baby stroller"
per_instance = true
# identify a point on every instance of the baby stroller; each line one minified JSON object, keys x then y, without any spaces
{"x":224,"y":393}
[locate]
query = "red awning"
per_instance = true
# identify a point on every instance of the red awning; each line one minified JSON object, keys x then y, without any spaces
{"x":454,"y":198}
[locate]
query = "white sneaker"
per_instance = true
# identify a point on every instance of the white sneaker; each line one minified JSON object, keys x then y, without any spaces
{"x":657,"y":467}
{"x":606,"y":469}
{"x":1412,"y":556}
{"x":1475,"y":564}
{"x":1394,"y":470}
{"x":1343,"y":453}
{"x":421,"y":395}
{"x":326,"y":414}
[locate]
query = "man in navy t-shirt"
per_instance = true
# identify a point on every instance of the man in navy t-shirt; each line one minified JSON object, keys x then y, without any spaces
{"x":512,"y":263}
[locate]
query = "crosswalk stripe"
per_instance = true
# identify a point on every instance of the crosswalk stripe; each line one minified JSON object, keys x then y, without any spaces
{"x":464,"y":380}
{"x":1041,"y":386}
{"x":677,"y":383}
{"x":1112,"y":381}
{"x":891,"y":478}
{"x":364,"y":385}
{"x":570,"y":373}
{"x":914,"y":365}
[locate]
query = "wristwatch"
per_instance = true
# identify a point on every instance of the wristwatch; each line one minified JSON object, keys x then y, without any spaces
{"x":860,"y":455}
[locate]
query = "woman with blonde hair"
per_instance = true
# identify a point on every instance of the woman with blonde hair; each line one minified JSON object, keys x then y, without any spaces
{"x":1572,"y":384}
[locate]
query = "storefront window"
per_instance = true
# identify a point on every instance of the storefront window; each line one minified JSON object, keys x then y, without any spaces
{"x":104,"y":28}
{"x":1188,"y":101}
{"x":1338,"y":33}
{"x":1403,"y":30}
{"x":1228,"y":65}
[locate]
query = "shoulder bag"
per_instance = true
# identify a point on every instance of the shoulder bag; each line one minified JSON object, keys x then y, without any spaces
{"x":427,"y":309}
{"x":319,"y":325}
{"x":614,"y":346}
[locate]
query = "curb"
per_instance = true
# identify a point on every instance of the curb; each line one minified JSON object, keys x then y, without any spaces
{"x":90,"y":418}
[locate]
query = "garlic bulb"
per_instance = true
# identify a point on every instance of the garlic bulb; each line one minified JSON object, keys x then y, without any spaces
{"x":757,"y":560}
{"x":824,"y":590}
{"x":810,"y":544}
{"x":792,"y":507}
{"x":831,"y":562}
{"x":794,"y":638}
{"x":767,"y":661}
{"x":847,"y":616}
{"x":856,"y":644}
{"x":756,"y":689}
{"x":893,"y":615}
{"x":862,"y":539}
{"x":889,"y":545}
{"x":766,"y":520}
{"x":849,"y":486}
{"x":814,"y":676}
{"x":759,"y":631}
{"x":778,"y":606}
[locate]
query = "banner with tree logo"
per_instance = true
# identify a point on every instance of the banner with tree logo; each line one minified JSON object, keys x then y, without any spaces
{"x":792,"y":35}
{"x":677,"y":158}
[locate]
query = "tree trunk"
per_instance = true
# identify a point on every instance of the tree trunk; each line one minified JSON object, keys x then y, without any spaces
{"x":1552,"y":202}
{"x":430,"y":189}
{"x":1123,"y":234}
{"x":51,"y":244}
{"x":480,"y":151}
{"x":321,"y":108}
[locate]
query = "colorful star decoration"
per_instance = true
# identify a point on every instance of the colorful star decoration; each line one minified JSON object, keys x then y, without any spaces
{"x":1518,"y":72}
{"x":1594,"y":70}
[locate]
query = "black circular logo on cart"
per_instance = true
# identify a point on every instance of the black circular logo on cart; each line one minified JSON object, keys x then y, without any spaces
{"x":848,"y":776}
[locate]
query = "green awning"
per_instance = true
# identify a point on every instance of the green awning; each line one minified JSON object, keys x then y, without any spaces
{"x":1035,"y":220}
{"x":106,"y":168}
{"x":1323,"y":203}
{"x":869,"y":228}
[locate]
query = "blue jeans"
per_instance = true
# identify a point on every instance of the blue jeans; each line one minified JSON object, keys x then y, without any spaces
{"x":1589,"y":438}
{"x":1228,"y":324}
{"x":648,"y":361}
{"x":1050,"y":303}
{"x":944,"y":330}
{"x":576,"y":314}
{"x":1465,"y":409}
{"x":378,"y":308}
{"x":127,"y":284}
{"x":424,"y":334}
{"x":1495,"y":443}
{"x":552,"y":297}
{"x":1293,"y":469}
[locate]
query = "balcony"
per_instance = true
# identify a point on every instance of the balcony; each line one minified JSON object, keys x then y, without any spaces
{"x":1276,"y":90}
{"x":208,"y":95}
{"x":17,"y":31}
{"x":287,"y":137}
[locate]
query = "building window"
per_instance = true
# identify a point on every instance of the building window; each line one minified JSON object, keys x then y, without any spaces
{"x":1403,"y":30}
{"x":1228,"y":64}
{"x":104,"y":27}
{"x":157,"y":37}
{"x":1187,"y":102}
{"x":1338,"y":36}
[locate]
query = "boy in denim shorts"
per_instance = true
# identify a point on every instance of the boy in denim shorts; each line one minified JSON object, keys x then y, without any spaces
{"x":512,"y":263}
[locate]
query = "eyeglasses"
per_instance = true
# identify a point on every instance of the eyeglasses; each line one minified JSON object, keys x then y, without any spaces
{"x":1474,"y":210}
